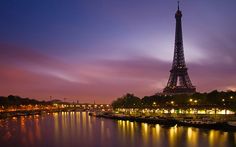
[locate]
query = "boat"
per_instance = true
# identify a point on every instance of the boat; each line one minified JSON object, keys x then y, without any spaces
{"x":92,"y":114}
{"x":232,"y":123}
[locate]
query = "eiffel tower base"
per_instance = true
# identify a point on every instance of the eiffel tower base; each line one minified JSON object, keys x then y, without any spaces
{"x":179,"y":90}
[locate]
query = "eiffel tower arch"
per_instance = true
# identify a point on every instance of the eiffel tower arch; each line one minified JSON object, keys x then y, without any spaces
{"x":179,"y":81}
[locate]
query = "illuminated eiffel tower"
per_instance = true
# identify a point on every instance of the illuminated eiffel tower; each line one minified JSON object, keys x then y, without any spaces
{"x":179,"y":81}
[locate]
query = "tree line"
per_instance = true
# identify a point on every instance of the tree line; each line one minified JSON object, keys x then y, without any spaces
{"x":219,"y":99}
{"x":12,"y":100}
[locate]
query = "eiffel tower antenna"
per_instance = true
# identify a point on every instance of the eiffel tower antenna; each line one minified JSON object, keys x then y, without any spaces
{"x":178,"y":5}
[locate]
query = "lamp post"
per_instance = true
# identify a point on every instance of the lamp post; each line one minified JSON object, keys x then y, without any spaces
{"x":154,"y":103}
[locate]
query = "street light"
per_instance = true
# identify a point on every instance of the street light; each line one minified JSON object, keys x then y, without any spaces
{"x":172,"y":102}
{"x":195,"y":101}
{"x":190,"y":100}
{"x":154,"y":104}
{"x":231,"y":97}
{"x":223,"y":100}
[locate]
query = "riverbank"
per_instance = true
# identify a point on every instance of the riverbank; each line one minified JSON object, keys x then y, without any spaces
{"x":165,"y":121}
{"x":4,"y":115}
{"x":172,"y":121}
{"x":9,"y":114}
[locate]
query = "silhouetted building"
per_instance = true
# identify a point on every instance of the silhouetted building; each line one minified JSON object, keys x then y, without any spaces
{"x":179,"y":81}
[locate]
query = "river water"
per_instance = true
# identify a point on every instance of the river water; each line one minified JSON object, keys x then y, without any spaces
{"x":78,"y":129}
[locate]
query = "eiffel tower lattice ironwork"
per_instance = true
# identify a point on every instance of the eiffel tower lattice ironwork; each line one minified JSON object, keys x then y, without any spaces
{"x":179,"y":81}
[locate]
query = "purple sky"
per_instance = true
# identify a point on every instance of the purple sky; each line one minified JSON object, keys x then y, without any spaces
{"x":99,"y":50}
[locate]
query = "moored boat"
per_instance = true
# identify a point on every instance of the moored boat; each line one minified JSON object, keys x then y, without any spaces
{"x":232,"y":123}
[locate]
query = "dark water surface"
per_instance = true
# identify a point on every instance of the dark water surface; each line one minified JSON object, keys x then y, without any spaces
{"x":70,"y":129}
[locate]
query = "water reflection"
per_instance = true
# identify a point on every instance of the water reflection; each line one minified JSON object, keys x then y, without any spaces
{"x":79,"y":129}
{"x":56,"y":125}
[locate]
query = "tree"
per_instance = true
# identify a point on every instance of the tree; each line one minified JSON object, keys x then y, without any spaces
{"x":127,"y":101}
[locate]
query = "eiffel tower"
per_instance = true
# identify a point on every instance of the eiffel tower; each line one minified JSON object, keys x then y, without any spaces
{"x":179,"y":81}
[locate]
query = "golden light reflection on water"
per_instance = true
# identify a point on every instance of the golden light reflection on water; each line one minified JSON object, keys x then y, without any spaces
{"x":172,"y":136}
{"x":23,"y":130}
{"x":145,"y":129}
{"x":156,"y":135}
{"x":126,"y":129}
{"x":211,"y":138}
{"x":221,"y":137}
{"x":37,"y":129}
{"x":102,"y":130}
{"x":63,"y":127}
{"x":192,"y":136}
{"x":56,"y":125}
{"x":72,"y":123}
{"x":119,"y":122}
{"x":22,"y":125}
{"x":90,"y":129}
{"x":30,"y":131}
{"x":131,"y":131}
{"x":187,"y":136}
{"x":84,"y":123}
{"x":77,"y":121}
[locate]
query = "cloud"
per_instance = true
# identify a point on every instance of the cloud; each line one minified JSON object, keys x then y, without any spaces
{"x":29,"y":73}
